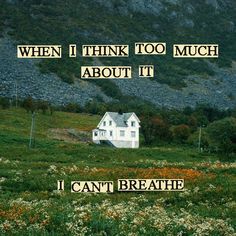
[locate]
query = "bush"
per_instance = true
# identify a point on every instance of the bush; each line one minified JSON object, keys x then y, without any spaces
{"x":181,"y":133}
{"x":43,"y":105}
{"x":222,"y":135}
{"x":109,"y":88}
{"x":194,"y":139}
{"x":4,"y":103}
{"x":72,"y":107}
{"x":29,"y":104}
{"x":155,"y":129}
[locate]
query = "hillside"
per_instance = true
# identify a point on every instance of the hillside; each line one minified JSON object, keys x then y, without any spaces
{"x":30,"y":203}
{"x":177,"y":83}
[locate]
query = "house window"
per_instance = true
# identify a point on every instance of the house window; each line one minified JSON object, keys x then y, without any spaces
{"x":133,"y":123}
{"x":110,"y":133}
{"x":96,"y":134}
{"x":104,"y":123}
{"x":110,"y":123}
{"x":133,"y":134}
{"x":122,"y":133}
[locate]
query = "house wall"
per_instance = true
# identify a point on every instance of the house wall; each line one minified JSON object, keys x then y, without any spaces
{"x":100,"y":136}
{"x":126,"y":141}
{"x":109,"y":128}
{"x":126,"y":144}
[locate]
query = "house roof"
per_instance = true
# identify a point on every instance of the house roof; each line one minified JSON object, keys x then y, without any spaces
{"x":120,"y":119}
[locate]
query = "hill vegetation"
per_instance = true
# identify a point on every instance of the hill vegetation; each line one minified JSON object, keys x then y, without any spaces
{"x":161,"y":126}
{"x":60,"y":22}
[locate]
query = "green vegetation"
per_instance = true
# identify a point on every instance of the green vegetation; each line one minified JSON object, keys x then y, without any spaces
{"x":160,"y":126}
{"x":87,"y":22}
{"x":223,"y":135}
{"x":30,"y":204}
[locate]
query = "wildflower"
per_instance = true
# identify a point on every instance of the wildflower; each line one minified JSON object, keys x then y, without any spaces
{"x":52,"y":169}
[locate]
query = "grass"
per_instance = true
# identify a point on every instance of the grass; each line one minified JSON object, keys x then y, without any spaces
{"x":30,"y":204}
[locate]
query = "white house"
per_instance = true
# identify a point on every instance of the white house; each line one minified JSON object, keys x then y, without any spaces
{"x":118,"y":130}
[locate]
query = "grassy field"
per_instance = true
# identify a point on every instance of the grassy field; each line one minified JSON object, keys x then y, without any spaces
{"x":31,"y":205}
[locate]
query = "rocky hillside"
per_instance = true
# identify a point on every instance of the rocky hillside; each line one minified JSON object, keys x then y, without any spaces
{"x":177,"y":83}
{"x":25,"y":76}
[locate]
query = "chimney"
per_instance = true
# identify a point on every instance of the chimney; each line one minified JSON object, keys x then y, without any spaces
{"x":120,"y":112}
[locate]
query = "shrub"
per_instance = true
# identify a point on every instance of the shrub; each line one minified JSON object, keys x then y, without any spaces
{"x":29,"y":104}
{"x":72,"y":107}
{"x":154,"y":129}
{"x":222,"y":135}
{"x":43,"y":105}
{"x":181,"y":133}
{"x":4,"y":103}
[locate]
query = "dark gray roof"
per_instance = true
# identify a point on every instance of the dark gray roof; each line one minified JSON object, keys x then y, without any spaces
{"x":120,"y":119}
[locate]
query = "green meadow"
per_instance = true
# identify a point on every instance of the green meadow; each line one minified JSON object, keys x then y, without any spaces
{"x":31,"y":205}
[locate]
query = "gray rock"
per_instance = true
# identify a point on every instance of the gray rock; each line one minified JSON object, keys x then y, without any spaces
{"x":213,"y":3}
{"x":24,"y":74}
{"x":187,"y":23}
{"x":198,"y":90}
{"x":30,"y":82}
{"x":135,"y":6}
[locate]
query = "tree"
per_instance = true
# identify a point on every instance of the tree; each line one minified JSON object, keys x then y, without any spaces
{"x":192,"y":121}
{"x":155,"y":128}
{"x":72,"y":107}
{"x":51,"y":109}
{"x":194,"y":139}
{"x":4,"y":103}
{"x":181,"y":133}
{"x":43,"y":105}
{"x":29,"y":104}
{"x":222,"y":135}
{"x":147,"y":130}
{"x":188,"y":111}
{"x":92,"y":107}
{"x":161,"y":129}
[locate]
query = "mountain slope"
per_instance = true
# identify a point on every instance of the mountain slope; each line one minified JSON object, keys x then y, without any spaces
{"x":177,"y":82}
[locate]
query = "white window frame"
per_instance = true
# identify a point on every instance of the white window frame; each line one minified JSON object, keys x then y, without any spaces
{"x":133,"y":134}
{"x":122,"y":133}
